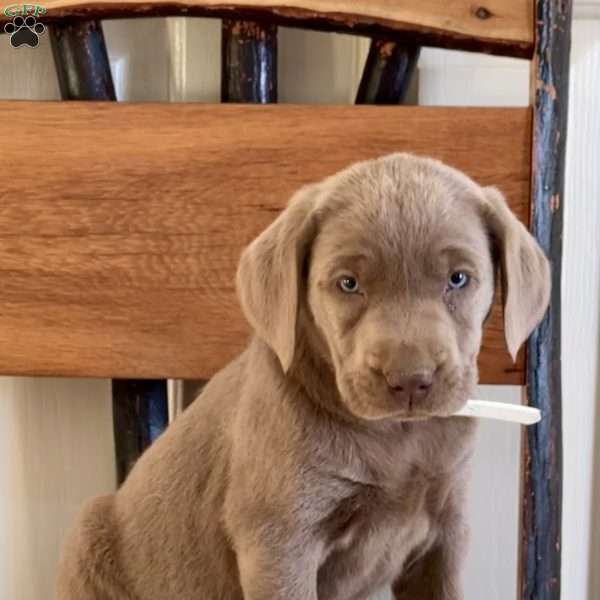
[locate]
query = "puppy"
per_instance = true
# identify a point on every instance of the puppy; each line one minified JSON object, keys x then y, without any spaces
{"x":321,"y":463}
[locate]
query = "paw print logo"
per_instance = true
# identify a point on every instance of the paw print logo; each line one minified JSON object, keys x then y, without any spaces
{"x":24,"y":31}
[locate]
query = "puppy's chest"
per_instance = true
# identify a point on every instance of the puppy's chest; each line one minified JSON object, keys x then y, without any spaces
{"x":398,"y":482}
{"x":388,"y":515}
{"x":368,"y":508}
{"x":370,"y":537}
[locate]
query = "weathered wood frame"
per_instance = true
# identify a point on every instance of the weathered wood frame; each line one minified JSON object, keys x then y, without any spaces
{"x":542,"y":486}
{"x":542,"y":491}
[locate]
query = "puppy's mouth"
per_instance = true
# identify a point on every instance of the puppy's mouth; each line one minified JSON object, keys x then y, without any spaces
{"x":418,"y":411}
{"x":373,"y":400}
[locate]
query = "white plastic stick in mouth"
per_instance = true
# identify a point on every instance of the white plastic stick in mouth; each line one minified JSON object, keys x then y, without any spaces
{"x":501,"y":411}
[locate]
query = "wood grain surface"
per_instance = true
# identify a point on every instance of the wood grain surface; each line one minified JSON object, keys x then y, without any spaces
{"x":121,"y":224}
{"x":500,"y":26}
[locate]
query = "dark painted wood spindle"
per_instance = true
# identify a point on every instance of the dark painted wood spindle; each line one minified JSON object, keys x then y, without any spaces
{"x":139,"y":417}
{"x":81,"y":61}
{"x":249,"y":62}
{"x":542,"y":493}
{"x":388,"y":72}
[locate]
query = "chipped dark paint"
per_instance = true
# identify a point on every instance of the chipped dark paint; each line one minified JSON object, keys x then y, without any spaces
{"x":81,"y":61}
{"x":541,"y":511}
{"x":387,"y":73}
{"x":249,"y":62}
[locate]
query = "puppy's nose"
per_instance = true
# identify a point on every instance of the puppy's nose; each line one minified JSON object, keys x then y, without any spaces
{"x":412,"y":387}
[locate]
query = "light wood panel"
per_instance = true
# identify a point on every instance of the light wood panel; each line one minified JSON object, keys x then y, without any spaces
{"x":501,"y":26}
{"x":121,"y":225}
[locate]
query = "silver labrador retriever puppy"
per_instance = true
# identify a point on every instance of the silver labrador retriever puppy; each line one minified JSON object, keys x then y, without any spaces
{"x":320,"y":464}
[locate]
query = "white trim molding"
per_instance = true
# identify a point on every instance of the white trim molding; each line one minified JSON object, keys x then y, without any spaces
{"x":586,"y":9}
{"x":177,"y":36}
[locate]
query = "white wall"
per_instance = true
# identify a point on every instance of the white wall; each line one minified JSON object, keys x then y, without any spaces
{"x":55,"y":451}
{"x":56,"y":435}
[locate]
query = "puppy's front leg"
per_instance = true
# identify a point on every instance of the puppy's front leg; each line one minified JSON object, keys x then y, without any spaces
{"x":437,"y":574}
{"x":270,"y":569}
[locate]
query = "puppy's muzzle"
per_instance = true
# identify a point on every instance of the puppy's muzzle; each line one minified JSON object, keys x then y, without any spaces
{"x":408,"y":371}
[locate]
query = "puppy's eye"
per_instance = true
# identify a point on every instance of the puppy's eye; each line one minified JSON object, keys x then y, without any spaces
{"x":348,"y":285}
{"x":458,"y":280}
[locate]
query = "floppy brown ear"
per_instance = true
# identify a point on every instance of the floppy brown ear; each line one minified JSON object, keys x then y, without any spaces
{"x":525,"y":271}
{"x":269,"y":274}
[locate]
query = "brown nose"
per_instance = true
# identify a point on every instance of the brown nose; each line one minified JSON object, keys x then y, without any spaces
{"x":413,"y":387}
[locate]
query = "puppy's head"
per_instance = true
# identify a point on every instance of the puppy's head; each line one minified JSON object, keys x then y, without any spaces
{"x":391,"y":264}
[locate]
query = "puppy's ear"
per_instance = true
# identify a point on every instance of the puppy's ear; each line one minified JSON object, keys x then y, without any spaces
{"x":270,"y":271}
{"x":525,"y":271}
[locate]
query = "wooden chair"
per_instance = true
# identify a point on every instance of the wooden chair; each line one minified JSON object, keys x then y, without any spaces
{"x":121,"y":224}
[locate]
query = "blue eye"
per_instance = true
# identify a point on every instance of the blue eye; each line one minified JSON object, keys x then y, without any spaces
{"x":348,"y":285}
{"x":458,"y":280}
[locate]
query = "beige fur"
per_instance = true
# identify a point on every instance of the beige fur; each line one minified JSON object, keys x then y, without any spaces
{"x":319,"y":464}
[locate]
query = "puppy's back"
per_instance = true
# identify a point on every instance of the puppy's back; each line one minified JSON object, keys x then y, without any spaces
{"x":161,"y":535}
{"x":90,"y":566}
